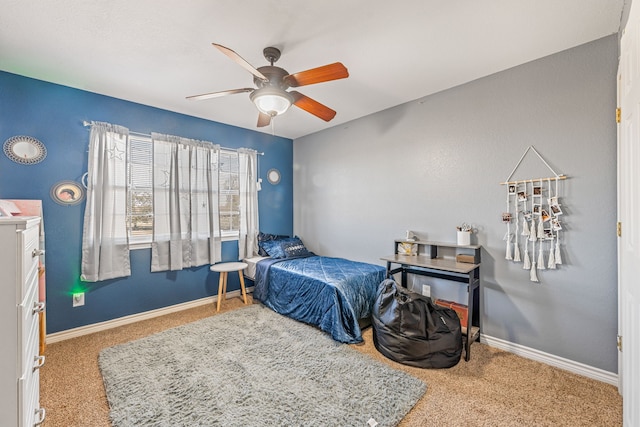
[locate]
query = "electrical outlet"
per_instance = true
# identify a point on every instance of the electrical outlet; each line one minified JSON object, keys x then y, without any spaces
{"x":78,"y":299}
{"x":426,"y":290}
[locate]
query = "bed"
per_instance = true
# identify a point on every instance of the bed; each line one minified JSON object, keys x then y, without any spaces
{"x":334,"y":294}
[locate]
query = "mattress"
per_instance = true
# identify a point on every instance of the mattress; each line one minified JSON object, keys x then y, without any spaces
{"x":250,"y":271}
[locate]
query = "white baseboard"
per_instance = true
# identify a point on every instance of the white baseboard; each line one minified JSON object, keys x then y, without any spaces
{"x":121,"y":321}
{"x":552,"y":360}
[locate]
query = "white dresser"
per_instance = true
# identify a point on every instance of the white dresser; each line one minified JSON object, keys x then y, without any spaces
{"x":19,"y":327}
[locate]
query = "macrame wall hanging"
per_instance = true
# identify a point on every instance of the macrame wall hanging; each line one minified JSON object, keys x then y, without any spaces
{"x":533,"y":220}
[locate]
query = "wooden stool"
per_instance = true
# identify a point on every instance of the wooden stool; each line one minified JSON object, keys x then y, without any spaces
{"x":224,"y":268}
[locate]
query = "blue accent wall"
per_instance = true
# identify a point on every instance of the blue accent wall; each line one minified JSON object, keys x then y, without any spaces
{"x":54,"y":114}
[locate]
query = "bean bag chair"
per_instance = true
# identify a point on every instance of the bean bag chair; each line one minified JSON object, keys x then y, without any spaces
{"x":410,"y":329}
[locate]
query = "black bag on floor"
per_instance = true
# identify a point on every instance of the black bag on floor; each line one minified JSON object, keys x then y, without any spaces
{"x":410,"y":329}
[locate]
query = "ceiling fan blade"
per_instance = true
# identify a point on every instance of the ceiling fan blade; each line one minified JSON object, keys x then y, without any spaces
{"x":263,"y":119}
{"x":312,"y":106}
{"x":218,"y":94}
{"x":240,"y":61}
{"x":317,"y":75}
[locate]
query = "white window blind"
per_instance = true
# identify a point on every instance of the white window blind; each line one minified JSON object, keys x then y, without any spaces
{"x":140,"y":206}
{"x":229,"y":193}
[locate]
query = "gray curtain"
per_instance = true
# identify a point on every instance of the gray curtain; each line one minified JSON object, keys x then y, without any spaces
{"x":186,"y":223}
{"x":248,"y":171}
{"x":105,"y":242}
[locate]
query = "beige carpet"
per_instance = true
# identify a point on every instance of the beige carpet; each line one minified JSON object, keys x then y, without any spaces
{"x":494,"y":388}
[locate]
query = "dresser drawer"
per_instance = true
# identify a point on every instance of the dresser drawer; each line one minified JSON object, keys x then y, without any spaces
{"x":30,"y":256}
{"x":30,"y":281}
{"x":29,"y":412}
{"x":29,"y":386}
{"x":30,"y":358}
{"x":28,"y":321}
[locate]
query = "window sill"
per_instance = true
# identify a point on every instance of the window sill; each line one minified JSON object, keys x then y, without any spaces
{"x":139,"y":245}
{"x":147,"y":245}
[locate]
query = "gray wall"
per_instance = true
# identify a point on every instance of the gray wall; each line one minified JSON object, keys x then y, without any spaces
{"x":434,"y":163}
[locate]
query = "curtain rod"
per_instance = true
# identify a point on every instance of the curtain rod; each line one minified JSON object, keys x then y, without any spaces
{"x":86,"y":123}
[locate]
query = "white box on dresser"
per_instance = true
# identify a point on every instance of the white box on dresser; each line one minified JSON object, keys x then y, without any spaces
{"x":20,"y":360}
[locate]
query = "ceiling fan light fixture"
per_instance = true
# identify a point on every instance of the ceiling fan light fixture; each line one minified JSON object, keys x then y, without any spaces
{"x":271,"y":101}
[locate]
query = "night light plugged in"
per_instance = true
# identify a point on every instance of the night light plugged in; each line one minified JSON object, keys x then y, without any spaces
{"x":78,"y":299}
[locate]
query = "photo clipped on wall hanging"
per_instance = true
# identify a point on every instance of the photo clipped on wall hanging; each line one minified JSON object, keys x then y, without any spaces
{"x":555,"y":208}
{"x":67,"y":193}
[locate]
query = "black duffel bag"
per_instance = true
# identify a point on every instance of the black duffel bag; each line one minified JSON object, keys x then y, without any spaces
{"x":410,"y":329}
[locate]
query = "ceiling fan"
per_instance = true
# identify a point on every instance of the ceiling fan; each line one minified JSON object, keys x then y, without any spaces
{"x":271,"y":96}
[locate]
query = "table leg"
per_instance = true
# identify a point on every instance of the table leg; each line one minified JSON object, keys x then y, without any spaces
{"x":224,"y":285}
{"x":221,"y":288}
{"x":242,"y":288}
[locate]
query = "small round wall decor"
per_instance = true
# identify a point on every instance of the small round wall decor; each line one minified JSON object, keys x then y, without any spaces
{"x":25,"y":150}
{"x":67,"y":193}
{"x":273,"y":176}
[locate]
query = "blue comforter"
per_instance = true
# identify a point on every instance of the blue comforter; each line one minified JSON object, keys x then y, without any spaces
{"x":331,"y":293}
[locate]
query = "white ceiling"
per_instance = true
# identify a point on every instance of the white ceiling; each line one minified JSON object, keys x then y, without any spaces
{"x":157,"y":52}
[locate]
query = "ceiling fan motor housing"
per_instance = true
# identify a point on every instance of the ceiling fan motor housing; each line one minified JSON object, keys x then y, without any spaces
{"x":275,"y":77}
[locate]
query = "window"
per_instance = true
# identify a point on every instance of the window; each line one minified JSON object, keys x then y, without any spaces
{"x":229,"y":194}
{"x":140,"y":197}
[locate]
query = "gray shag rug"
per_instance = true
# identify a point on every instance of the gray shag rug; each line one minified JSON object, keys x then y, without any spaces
{"x":251,"y":367}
